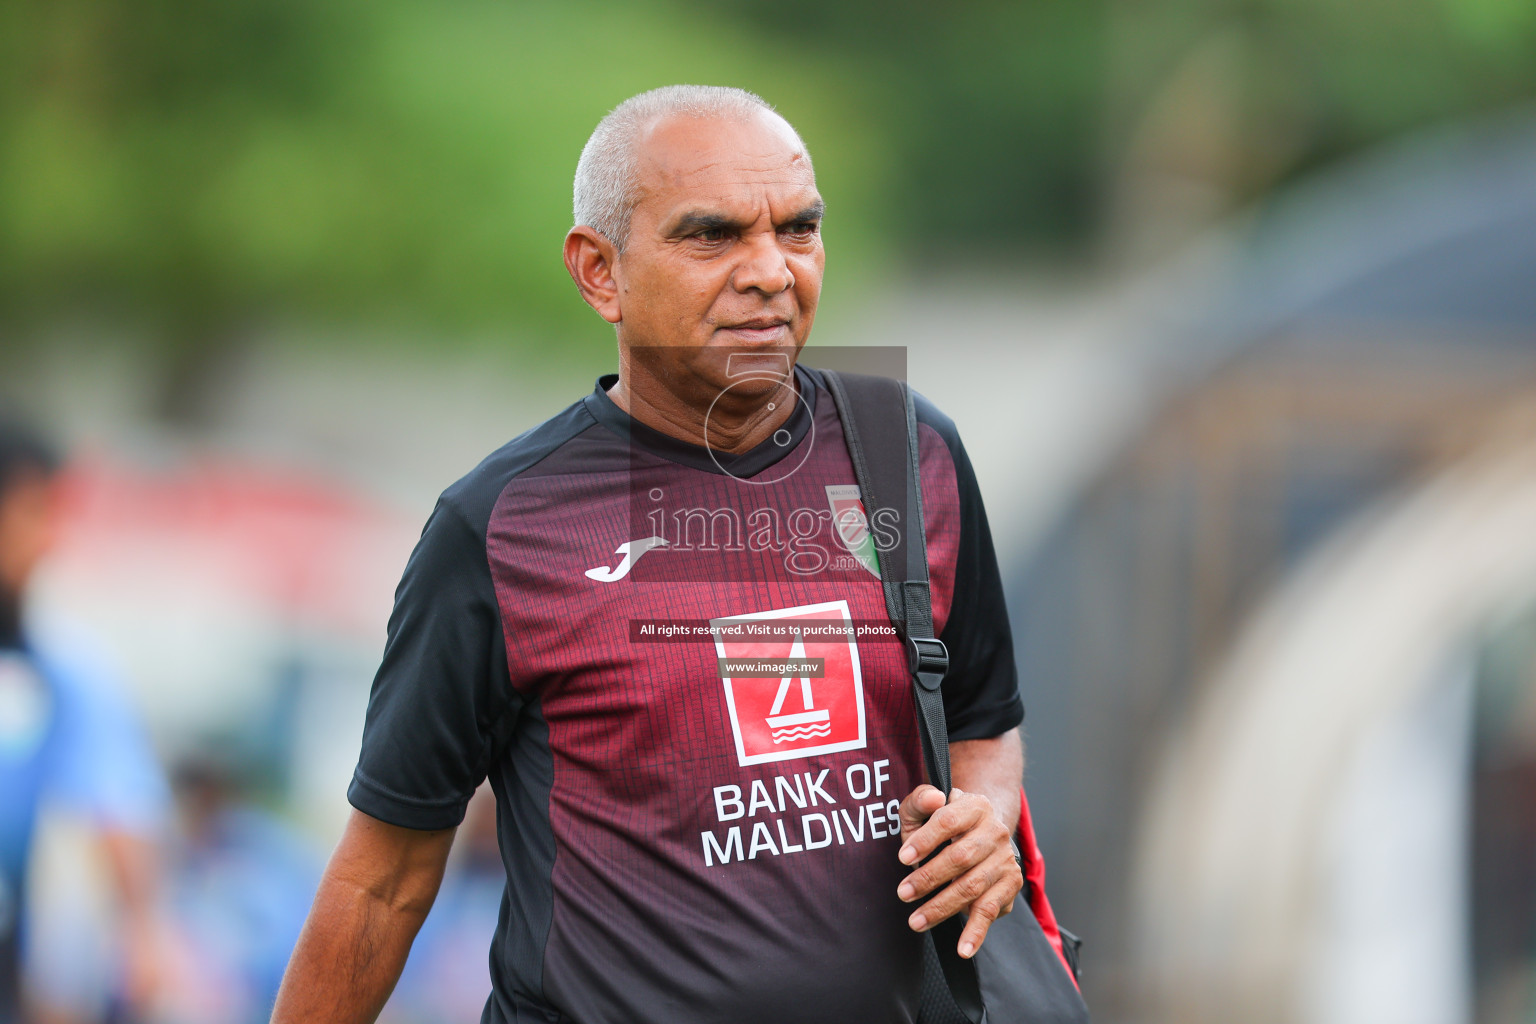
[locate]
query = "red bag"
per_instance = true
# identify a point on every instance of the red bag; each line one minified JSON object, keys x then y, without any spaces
{"x":1065,"y":943}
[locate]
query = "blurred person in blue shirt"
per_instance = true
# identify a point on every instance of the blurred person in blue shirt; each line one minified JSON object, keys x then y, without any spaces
{"x":67,"y":739}
{"x":238,"y":887}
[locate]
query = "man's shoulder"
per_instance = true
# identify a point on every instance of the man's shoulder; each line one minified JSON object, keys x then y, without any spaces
{"x":930,"y":415}
{"x":475,"y":493}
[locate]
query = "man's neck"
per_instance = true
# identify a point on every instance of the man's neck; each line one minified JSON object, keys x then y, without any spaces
{"x":733,"y":428}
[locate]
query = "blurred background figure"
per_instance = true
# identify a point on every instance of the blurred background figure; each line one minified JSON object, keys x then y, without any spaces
{"x":1235,"y":304}
{"x":68,"y":740}
{"x":239,"y":883}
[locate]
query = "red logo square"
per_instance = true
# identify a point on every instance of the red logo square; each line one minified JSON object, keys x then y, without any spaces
{"x":792,"y":682}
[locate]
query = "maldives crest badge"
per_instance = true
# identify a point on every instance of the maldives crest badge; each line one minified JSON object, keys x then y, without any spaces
{"x":851,"y":525}
{"x":792,"y":683}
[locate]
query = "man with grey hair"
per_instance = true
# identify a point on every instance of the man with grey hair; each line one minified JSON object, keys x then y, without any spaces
{"x":688,"y":835}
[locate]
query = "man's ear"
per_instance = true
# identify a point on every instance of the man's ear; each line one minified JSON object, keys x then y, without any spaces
{"x":589,"y":257}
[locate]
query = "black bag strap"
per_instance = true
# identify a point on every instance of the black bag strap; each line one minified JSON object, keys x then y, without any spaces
{"x":881,"y":410}
{"x":887,"y":475}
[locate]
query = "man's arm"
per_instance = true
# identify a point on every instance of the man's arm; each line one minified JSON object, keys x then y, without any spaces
{"x":376,"y":892}
{"x":976,"y":872}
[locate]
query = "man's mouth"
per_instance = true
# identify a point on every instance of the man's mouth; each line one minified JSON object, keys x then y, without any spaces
{"x":763,"y":328}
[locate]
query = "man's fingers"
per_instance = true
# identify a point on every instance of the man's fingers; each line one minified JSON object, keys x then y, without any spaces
{"x":918,"y":807}
{"x":993,"y":904}
{"x":942,"y":823}
{"x":958,"y":895}
{"x":952,"y":862}
{"x":975,"y":872}
{"x":986,"y":890}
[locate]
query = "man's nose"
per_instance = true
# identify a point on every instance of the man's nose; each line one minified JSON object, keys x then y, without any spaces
{"x":763,"y":268}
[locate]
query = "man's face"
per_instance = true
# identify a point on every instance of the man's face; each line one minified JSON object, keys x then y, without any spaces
{"x":724,"y":257}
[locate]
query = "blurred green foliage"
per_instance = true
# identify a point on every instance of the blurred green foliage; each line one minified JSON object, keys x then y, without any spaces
{"x":192,"y":170}
{"x":198,"y":167}
{"x":1014,"y":123}
{"x":993,"y":109}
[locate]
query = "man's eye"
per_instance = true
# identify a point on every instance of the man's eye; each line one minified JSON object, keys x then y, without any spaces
{"x":806,"y":227}
{"x":711,"y":235}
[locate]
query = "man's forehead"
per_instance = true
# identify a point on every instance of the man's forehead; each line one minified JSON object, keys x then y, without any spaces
{"x":712,"y":157}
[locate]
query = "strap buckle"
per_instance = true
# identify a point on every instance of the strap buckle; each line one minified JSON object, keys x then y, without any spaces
{"x":929,"y":659}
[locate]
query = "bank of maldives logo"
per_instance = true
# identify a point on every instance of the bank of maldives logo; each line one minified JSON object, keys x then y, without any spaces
{"x":792,"y":682}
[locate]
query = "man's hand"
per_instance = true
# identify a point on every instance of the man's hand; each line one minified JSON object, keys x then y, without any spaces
{"x":977,"y":872}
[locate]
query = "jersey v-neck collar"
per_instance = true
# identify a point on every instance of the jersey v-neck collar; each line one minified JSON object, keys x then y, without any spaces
{"x":746,"y":464}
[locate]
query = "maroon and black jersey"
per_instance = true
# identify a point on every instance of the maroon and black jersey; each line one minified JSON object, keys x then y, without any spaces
{"x":696,"y":778}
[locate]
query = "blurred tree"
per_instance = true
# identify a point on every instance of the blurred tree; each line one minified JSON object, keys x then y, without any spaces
{"x":191,"y":171}
{"x":1048,"y":123}
{"x":1212,"y":103}
{"x":992,"y":107}
{"x":198,"y":169}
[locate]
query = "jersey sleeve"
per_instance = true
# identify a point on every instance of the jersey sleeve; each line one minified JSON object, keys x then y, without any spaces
{"x":441,"y":696}
{"x":981,"y":692}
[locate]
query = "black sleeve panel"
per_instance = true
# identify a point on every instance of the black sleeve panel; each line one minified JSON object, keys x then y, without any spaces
{"x":981,"y":692}
{"x":442,"y":695}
